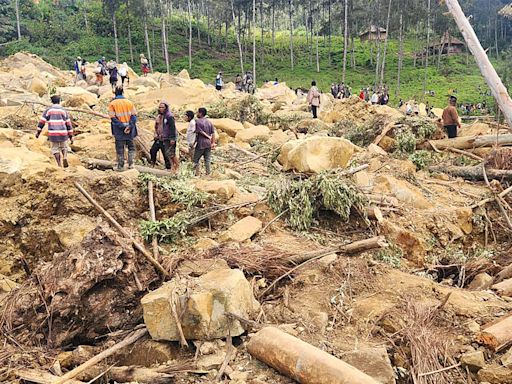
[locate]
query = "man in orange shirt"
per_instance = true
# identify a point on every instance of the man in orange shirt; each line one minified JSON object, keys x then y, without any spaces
{"x":123,"y":117}
{"x":451,"y":118}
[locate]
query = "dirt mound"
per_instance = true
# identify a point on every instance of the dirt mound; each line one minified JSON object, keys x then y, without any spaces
{"x":82,"y":293}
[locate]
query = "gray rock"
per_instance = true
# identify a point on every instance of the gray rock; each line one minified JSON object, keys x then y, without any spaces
{"x":374,"y":362}
{"x":473,"y":360}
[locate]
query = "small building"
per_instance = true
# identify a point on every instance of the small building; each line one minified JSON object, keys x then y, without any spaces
{"x":448,"y":45}
{"x":374,"y":33}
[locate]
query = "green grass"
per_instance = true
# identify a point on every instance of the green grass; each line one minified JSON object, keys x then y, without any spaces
{"x":453,"y":72}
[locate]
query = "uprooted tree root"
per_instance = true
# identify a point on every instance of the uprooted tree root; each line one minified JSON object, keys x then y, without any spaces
{"x":81,"y":294}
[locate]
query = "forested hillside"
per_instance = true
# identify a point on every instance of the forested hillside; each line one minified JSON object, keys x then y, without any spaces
{"x":294,"y":41}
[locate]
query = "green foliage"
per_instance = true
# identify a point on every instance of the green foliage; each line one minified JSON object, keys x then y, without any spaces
{"x":362,"y":135}
{"x":180,"y":191}
{"x":422,"y":159}
{"x":406,"y":142}
{"x":342,"y":127}
{"x":391,"y":255}
{"x":304,"y":199}
{"x":167,"y":231}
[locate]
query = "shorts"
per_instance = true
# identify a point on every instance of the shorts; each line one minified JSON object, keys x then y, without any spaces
{"x":58,"y":146}
{"x":451,"y":130}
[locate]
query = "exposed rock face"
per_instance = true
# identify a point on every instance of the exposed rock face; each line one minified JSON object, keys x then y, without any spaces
{"x":316,"y":154}
{"x":203,"y":308}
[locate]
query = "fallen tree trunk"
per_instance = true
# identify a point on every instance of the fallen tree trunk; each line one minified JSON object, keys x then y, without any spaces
{"x":473,"y":173}
{"x":352,"y":248}
{"x":40,"y":377}
{"x":497,"y":335}
{"x":135,"y":374}
{"x":301,"y":361}
{"x":470,"y":142}
{"x":499,"y":91}
{"x":106,"y":164}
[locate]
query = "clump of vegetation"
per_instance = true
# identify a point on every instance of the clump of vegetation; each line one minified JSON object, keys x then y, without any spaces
{"x":406,"y":142}
{"x":391,"y":255}
{"x":303,"y":200}
{"x":422,"y":159}
{"x":168,"y":230}
{"x":179,"y":190}
{"x":341,"y":127}
{"x":363,"y":134}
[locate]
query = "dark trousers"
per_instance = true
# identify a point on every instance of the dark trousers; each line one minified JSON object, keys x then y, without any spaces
{"x":120,"y":145}
{"x":314,"y":109}
{"x":165,"y":147}
{"x":451,"y":130}
{"x":207,"y":154}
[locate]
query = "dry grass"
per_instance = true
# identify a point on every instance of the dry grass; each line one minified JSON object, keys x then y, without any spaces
{"x":500,"y":158}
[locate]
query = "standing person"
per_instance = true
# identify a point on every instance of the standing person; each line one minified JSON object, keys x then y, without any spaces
{"x":113,"y":77}
{"x":144,"y":65}
{"x":99,"y":72}
{"x":361,"y":94}
{"x":205,"y":141}
{"x":313,"y":98}
{"x":165,"y":137}
{"x":79,"y":63}
{"x":334,"y":90}
{"x":59,"y":130}
{"x":191,"y":133}
{"x":375,"y":98}
{"x":123,"y":118}
{"x":238,"y":82}
{"x":219,"y":82}
{"x":123,"y":72}
{"x":450,"y":118}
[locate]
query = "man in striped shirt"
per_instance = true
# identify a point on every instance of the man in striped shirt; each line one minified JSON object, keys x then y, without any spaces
{"x":59,"y":130}
{"x":123,"y":117}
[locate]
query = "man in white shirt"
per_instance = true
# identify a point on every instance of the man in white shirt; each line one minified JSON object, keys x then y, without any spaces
{"x":191,"y":133}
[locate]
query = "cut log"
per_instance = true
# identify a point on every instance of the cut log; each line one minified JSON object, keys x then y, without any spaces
{"x":499,"y":91}
{"x":497,"y":335}
{"x":101,"y":356}
{"x":109,"y":165}
{"x":40,"y":377}
{"x":350,"y":249}
{"x":301,"y":361}
{"x":470,"y":142}
{"x":473,"y":173}
{"x":503,"y":288}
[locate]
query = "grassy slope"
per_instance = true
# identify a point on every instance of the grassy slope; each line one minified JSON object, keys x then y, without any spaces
{"x":453,"y":72}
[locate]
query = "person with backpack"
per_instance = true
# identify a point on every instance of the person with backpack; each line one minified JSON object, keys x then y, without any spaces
{"x":219,"y":82}
{"x":123,"y":72}
{"x":313,"y":99}
{"x":205,"y":141}
{"x":165,"y":138}
{"x":113,"y":76}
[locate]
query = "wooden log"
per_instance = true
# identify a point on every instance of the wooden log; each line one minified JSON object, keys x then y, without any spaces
{"x":109,"y":165}
{"x":505,"y":273}
{"x":349,"y":249}
{"x":40,"y":377}
{"x":473,"y":173}
{"x":91,"y":112}
{"x":499,"y":91}
{"x":384,"y":132}
{"x":503,"y":288}
{"x":301,"y":361}
{"x":152,"y":214}
{"x":470,"y":142}
{"x":497,"y":335}
{"x":123,"y":231}
{"x":103,"y":355}
{"x":132,"y":374}
{"x":465,"y":153}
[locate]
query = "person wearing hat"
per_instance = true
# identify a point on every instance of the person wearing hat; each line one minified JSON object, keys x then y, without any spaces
{"x":219,"y":82}
{"x":450,"y":118}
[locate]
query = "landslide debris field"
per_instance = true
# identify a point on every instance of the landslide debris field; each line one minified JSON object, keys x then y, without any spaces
{"x":365,"y":233}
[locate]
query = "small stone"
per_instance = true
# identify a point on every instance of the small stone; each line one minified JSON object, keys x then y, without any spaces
{"x":481,"y":282}
{"x":473,"y":326}
{"x":494,"y":374}
{"x":506,"y":359}
{"x":6,"y":285}
{"x":205,"y":243}
{"x":243,"y":229}
{"x":209,"y":362}
{"x":326,"y":261}
{"x":237,"y":375}
{"x":320,"y":321}
{"x":473,"y":360}
{"x":200,"y":267}
{"x":374,"y":362}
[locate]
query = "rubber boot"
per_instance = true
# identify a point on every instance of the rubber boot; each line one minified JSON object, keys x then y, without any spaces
{"x":57,"y":159}
{"x":131,"y":157}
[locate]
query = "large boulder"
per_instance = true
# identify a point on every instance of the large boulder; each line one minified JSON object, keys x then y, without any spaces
{"x":224,"y":189}
{"x":316,"y":154}
{"x":146,"y":82}
{"x":229,"y":126}
{"x":77,"y":96}
{"x":202,"y":304}
{"x":243,"y":229}
{"x":38,"y":86}
{"x":402,"y":190}
{"x":179,"y":97}
{"x":260,"y":132}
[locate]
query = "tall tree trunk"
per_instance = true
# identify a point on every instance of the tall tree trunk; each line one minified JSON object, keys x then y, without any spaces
{"x":330,"y":31}
{"x":317,"y":55}
{"x":116,"y":42}
{"x":189,"y":35}
{"x":496,"y":37}
{"x":290,"y":14}
{"x":164,"y":38}
{"x":238,"y":37}
{"x":416,"y":43}
{"x":273,"y":25}
{"x":400,"y":53}
{"x":254,"y":41}
{"x":18,"y":26}
{"x":262,"y":34}
{"x":383,"y":65}
{"x":128,"y":17}
{"x":86,"y":20}
{"x":310,"y":25}
{"x":208,"y":25}
{"x":427,"y":53}
{"x":148,"y":46}
{"x":345,"y":41}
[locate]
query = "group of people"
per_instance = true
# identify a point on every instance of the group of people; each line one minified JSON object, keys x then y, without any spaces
{"x":123,"y":119}
{"x":340,"y":91}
